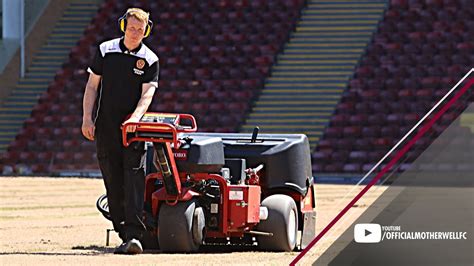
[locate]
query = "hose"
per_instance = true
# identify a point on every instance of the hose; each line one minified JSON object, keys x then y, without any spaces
{"x":103,"y":206}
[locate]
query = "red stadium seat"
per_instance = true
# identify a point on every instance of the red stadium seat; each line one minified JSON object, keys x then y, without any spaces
{"x":44,"y":157}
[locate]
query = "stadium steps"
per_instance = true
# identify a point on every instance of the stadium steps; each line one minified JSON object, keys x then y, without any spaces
{"x":313,"y":70}
{"x":46,"y":62}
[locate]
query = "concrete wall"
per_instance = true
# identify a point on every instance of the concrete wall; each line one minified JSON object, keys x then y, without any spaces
{"x":11,"y":21}
{"x":37,"y":36}
{"x":9,"y":11}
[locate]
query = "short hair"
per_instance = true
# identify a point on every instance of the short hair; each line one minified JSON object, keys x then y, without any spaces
{"x":138,"y":13}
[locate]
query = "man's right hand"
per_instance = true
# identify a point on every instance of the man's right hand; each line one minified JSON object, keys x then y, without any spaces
{"x":88,"y":129}
{"x":90,"y":94}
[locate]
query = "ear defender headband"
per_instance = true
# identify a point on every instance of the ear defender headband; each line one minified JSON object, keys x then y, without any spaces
{"x":123,"y":25}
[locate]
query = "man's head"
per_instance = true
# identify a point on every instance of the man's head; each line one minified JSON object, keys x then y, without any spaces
{"x":136,"y":25}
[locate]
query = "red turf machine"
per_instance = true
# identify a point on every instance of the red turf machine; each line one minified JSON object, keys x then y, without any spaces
{"x":223,"y":188}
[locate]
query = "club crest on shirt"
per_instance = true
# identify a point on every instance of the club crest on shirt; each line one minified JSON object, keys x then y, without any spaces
{"x":140,"y":63}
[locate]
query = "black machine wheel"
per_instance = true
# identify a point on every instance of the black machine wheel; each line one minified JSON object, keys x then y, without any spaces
{"x":282,"y":222}
{"x":149,"y":241}
{"x":181,"y":227}
{"x":149,"y":237}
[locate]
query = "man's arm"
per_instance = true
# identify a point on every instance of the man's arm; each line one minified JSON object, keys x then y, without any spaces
{"x":90,"y":95}
{"x":148,"y":90}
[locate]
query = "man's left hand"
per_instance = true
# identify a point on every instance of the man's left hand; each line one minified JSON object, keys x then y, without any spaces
{"x":131,"y":129}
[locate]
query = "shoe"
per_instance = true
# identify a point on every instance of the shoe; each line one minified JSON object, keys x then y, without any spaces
{"x":130,"y":247}
{"x":133,"y":246}
{"x":120,"y":249}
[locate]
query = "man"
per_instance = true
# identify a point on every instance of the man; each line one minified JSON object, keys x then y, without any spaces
{"x":127,"y":72}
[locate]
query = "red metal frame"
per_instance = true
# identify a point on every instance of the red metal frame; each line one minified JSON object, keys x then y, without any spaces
{"x":307,"y":203}
{"x":244,"y":213}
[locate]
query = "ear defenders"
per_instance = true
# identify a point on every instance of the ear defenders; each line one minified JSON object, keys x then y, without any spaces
{"x":122,"y":21}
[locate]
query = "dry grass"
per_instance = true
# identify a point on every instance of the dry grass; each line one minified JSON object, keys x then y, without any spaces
{"x":54,"y":221}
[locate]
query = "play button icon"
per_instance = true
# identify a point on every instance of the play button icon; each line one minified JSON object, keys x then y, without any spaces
{"x":367,"y":233}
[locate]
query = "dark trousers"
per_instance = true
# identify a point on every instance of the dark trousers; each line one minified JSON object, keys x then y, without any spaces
{"x":124,"y":177}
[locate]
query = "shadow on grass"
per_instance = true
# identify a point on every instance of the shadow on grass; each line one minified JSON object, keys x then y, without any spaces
{"x":94,"y":250}
{"x":205,"y":249}
{"x":107,"y":250}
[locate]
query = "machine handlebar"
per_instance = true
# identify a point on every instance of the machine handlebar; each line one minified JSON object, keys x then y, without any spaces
{"x":158,"y":127}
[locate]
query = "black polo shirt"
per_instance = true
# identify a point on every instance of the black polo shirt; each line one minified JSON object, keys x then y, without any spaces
{"x":123,"y":74}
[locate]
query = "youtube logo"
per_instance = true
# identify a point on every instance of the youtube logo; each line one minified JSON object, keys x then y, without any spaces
{"x":367,"y":233}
